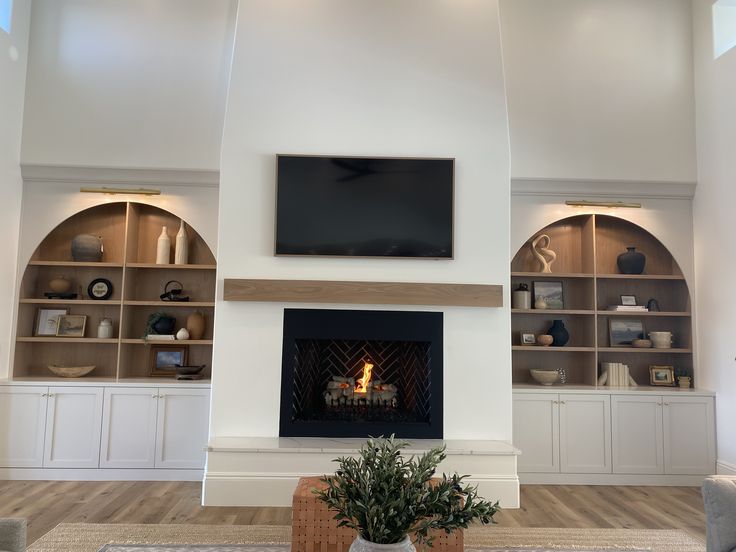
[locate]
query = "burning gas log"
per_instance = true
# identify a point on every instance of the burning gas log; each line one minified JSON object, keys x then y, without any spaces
{"x":364,"y":391}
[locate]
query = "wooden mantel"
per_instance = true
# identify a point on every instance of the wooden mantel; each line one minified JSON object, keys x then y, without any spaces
{"x":366,"y":293}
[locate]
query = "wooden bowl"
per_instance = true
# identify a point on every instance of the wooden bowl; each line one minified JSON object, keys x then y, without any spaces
{"x":641,"y":343}
{"x":545,"y":377}
{"x":70,"y":371}
{"x":545,"y":340}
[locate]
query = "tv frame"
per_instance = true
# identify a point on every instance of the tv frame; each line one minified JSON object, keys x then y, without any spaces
{"x":276,"y":206}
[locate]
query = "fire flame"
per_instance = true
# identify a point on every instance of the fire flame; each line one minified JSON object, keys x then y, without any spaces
{"x":362,"y":383}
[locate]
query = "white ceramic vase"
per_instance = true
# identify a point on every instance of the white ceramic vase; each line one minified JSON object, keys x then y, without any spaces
{"x":362,"y":545}
{"x":163,"y":248}
{"x":181,"y":254}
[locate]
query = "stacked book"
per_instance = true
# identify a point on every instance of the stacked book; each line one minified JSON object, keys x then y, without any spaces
{"x":628,"y":308}
{"x":615,"y":374}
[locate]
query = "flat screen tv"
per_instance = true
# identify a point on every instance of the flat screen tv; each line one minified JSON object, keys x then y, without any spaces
{"x":364,"y":207}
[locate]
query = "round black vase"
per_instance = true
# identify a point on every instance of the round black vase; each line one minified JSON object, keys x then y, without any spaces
{"x":631,"y":262}
{"x":560,"y":335}
{"x":165,"y":325}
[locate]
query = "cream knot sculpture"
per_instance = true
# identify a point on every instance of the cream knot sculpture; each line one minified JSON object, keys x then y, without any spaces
{"x":541,"y":251}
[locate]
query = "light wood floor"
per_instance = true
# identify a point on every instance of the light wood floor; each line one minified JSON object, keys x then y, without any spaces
{"x":47,"y":503}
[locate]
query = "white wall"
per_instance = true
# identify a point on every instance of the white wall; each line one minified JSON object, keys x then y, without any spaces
{"x":714,"y":226}
{"x":13,"y":58}
{"x":599,"y":89}
{"x":129,"y":83}
{"x":366,"y":77}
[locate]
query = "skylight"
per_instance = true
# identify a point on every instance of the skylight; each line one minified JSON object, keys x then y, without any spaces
{"x":724,"y":26}
{"x":6,"y":11}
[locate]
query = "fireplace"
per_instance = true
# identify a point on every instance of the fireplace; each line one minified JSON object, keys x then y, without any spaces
{"x":351,"y":373}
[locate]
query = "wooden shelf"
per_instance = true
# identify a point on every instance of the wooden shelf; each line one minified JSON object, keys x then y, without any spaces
{"x":640,"y":276}
{"x":650,"y":350}
{"x":96,"y":302}
{"x":167,"y":304}
{"x":173,"y":266}
{"x":550,"y":349}
{"x":552,"y":275}
{"x":77,"y":340}
{"x":74,"y":264}
{"x":645,"y":313}
{"x":553,"y":311}
{"x":137,"y":341}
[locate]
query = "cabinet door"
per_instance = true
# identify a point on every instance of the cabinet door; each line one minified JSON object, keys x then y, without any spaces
{"x":129,"y":427}
{"x":73,"y":424}
{"x":689,"y":435}
{"x":585,"y":433}
{"x":182,"y":428}
{"x":536,"y":432}
{"x":637,"y":434}
{"x":22,"y":421}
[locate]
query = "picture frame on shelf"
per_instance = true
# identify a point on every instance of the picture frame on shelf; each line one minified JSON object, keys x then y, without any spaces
{"x":71,"y":325}
{"x":622,"y":331}
{"x":628,"y":300}
{"x":47,"y":320}
{"x":549,"y":291}
{"x":527,"y":338}
{"x":662,"y":375}
{"x":165,"y":358}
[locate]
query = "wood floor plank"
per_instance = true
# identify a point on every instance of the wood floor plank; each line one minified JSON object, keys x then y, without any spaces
{"x":48,"y":503}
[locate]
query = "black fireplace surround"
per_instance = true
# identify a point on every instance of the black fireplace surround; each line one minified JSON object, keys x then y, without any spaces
{"x":323,"y":347}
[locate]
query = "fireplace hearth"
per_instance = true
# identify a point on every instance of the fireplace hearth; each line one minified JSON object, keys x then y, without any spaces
{"x":351,"y":373}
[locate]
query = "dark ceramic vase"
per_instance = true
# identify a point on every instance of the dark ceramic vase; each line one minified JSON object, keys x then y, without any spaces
{"x":87,"y":248}
{"x":631,"y":262}
{"x":560,"y":335}
{"x":165,"y":325}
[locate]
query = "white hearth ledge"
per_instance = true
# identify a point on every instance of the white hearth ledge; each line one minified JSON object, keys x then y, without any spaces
{"x":262,"y":471}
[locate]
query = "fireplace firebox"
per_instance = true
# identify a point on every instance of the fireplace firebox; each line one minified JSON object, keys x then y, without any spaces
{"x":353,"y":373}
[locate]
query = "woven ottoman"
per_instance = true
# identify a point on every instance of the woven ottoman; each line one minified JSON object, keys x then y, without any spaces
{"x":314,"y":530}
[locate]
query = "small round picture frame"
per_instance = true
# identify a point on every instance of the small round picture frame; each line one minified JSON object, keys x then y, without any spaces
{"x":100,"y":289}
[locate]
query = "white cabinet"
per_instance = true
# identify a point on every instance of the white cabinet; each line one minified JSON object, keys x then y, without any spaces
{"x":536,"y":432}
{"x":129,"y":427}
{"x":73,"y":424}
{"x":562,"y":433}
{"x":182,"y":428}
{"x":655,"y":434}
{"x":585,"y":433}
{"x":22,"y":422}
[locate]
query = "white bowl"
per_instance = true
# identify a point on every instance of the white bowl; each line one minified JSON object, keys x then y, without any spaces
{"x":545,"y":377}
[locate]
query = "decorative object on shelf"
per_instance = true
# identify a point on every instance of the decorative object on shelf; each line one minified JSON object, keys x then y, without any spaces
{"x":545,"y":256}
{"x":160,"y":323}
{"x":550,"y":292}
{"x":544,"y":377}
{"x":661,"y":340}
{"x":684,"y":382}
{"x":544,"y":340}
{"x":182,"y":334}
{"x":563,"y":375}
{"x":60,"y":285}
{"x":631,"y":262}
{"x":100,"y":288}
{"x":47,"y":320}
{"x":560,"y":335}
{"x":104,"y":329}
{"x":641,"y":343}
{"x":87,"y":248}
{"x":628,"y":300}
{"x":627,"y":308}
{"x":70,"y":371}
{"x":165,"y":359}
{"x":181,"y":253}
{"x":71,"y":325}
{"x":65,"y":296}
{"x":192,"y":372}
{"x":363,"y":488}
{"x":195,"y":325}
{"x":662,"y":375}
{"x":173,"y":292}
{"x":157,"y":337}
{"x":616,"y":374}
{"x":163,"y":248}
{"x":540,"y":304}
{"x":521,"y":297}
{"x":527,"y":338}
{"x":622,"y":331}
{"x":653,"y":305}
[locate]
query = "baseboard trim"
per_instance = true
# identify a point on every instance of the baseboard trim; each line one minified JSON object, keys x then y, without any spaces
{"x":67,"y":474}
{"x":610,"y":479}
{"x":725,"y":468}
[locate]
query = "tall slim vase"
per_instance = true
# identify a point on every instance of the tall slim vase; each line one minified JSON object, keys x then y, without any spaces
{"x":181,"y":255}
{"x":163,"y":248}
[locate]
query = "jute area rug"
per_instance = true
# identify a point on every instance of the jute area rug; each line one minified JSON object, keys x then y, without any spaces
{"x":91,"y":537}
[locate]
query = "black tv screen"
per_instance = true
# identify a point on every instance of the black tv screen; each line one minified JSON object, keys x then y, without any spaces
{"x":364,"y":207}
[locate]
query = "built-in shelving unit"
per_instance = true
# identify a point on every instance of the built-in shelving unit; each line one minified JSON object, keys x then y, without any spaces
{"x":587,"y":247}
{"x":129,"y":233}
